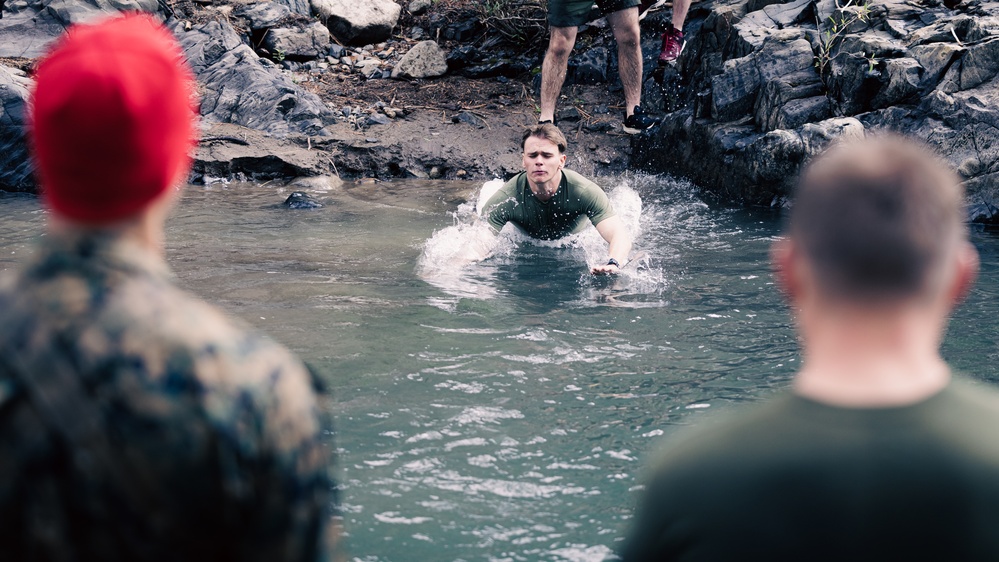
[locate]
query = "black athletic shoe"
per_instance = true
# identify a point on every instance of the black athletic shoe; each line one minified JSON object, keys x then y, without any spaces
{"x":637,"y":121}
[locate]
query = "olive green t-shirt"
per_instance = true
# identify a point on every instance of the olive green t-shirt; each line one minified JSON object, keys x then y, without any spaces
{"x":576,"y":202}
{"x":798,"y":480}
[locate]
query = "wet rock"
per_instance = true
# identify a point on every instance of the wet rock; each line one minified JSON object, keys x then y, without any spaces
{"x":299,"y":43}
{"x":15,"y":166}
{"x":358,"y":23}
{"x":237,"y":88}
{"x":301,"y":200}
{"x":424,"y":60}
{"x":228,"y":151}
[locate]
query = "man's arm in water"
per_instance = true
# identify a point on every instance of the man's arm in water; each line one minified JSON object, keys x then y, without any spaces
{"x":619,"y":241}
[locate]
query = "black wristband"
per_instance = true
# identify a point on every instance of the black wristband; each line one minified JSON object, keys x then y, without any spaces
{"x":613,"y":261}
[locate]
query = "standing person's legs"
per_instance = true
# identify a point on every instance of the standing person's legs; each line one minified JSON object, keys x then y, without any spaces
{"x":554,"y":67}
{"x":624,"y":24}
{"x":680,"y":8}
{"x":673,"y":40}
{"x":564,"y":19}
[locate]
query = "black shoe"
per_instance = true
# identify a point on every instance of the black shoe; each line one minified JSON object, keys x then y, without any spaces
{"x":637,"y":121}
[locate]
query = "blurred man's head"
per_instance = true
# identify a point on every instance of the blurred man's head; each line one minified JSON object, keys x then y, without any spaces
{"x":112,"y":119}
{"x":877,"y":221}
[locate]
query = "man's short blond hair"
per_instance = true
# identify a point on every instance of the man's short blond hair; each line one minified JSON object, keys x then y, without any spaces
{"x":548,"y":132}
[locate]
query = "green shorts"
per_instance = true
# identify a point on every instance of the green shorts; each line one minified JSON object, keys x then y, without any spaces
{"x":574,"y":13}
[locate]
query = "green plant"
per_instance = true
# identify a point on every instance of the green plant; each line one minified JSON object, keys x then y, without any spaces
{"x":837,"y":26}
{"x":278,"y":55}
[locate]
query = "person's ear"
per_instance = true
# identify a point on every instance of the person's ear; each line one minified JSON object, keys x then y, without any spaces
{"x":561,"y":161}
{"x":967,"y":264}
{"x":783,"y":258}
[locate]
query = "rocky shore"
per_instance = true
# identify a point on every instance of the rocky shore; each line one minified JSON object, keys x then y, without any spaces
{"x":441,"y":89}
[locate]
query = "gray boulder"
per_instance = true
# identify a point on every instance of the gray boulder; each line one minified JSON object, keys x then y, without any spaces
{"x":358,"y":23}
{"x":81,"y":11}
{"x":419,"y":7}
{"x":424,"y":60}
{"x":238,"y":87}
{"x":15,"y":166}
{"x":299,"y":43}
{"x":27,"y":33}
{"x":263,"y":15}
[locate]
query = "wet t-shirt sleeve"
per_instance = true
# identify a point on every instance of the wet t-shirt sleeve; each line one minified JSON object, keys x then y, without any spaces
{"x":499,"y":210}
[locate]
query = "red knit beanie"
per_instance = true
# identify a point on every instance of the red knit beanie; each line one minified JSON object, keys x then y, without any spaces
{"x":112,"y":118}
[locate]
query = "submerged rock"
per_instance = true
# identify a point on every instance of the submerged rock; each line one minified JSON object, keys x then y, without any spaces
{"x":301,"y":200}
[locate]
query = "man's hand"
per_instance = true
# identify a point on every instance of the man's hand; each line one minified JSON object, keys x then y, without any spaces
{"x":616,"y":234}
{"x":609,"y":269}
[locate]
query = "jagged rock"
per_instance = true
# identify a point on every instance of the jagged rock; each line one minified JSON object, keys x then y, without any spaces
{"x":978,"y":64}
{"x":780,"y":104}
{"x":15,"y":166}
{"x":301,"y":200}
{"x":237,"y":87}
{"x":299,"y":43}
{"x":358,"y":23}
{"x":300,"y":7}
{"x":901,"y":79}
{"x":590,"y":67}
{"x":935,"y":58}
{"x":69,"y":12}
{"x":228,"y":151}
{"x":424,"y":60}
{"x":734,"y":90}
{"x":27,"y":33}
{"x":263,"y":15}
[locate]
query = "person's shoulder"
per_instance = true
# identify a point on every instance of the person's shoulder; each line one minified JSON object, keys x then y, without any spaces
{"x":579,"y":180}
{"x":723,"y":435}
{"x":224,"y":351}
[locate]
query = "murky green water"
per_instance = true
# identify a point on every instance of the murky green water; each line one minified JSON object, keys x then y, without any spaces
{"x":501,"y":410}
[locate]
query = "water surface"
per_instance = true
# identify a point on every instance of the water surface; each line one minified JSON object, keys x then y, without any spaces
{"x":502,"y":410}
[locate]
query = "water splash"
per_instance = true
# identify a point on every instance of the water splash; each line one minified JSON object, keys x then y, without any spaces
{"x":463,"y":259}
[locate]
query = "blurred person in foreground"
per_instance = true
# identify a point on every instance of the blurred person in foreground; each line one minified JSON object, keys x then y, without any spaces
{"x":547,"y":201}
{"x":137,"y":422}
{"x":876,"y":453}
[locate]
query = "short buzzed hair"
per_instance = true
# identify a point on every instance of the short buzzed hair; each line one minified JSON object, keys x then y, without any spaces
{"x":876,"y":219}
{"x":548,"y":132}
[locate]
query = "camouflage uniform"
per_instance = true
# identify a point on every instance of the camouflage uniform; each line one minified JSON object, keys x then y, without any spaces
{"x":138,"y":423}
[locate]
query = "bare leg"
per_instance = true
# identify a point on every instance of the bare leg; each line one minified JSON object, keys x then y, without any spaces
{"x":624,"y":24}
{"x":680,"y":8}
{"x":554,"y":67}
